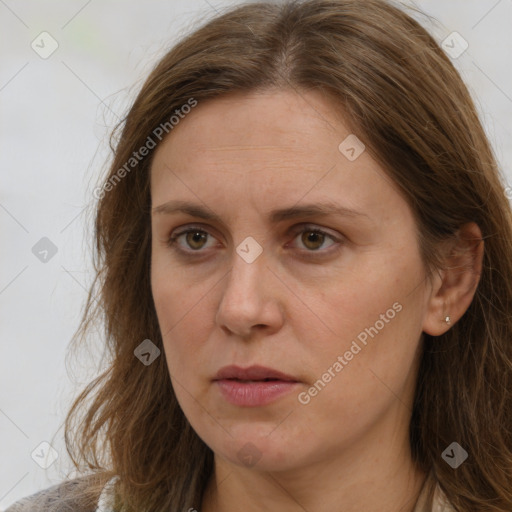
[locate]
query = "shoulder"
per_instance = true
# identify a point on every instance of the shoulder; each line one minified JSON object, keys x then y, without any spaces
{"x":58,"y":498}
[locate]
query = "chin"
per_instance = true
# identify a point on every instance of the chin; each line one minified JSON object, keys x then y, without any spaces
{"x":260,"y":449}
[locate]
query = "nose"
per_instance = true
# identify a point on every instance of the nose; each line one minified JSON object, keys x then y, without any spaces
{"x":250,"y":299}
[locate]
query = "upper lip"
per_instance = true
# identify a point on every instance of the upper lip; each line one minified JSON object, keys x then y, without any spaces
{"x":254,"y":372}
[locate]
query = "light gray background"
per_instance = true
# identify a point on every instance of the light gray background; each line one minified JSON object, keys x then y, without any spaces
{"x":55,"y":117}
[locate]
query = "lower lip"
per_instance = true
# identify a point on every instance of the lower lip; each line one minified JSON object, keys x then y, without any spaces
{"x":253,"y":394}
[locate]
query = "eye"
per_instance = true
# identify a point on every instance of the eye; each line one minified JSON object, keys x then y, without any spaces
{"x":312,"y":239}
{"x":194,"y":238}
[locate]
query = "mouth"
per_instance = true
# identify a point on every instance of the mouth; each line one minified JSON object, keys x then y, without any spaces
{"x":255,"y":386}
{"x":259,"y":380}
{"x":255,"y":373}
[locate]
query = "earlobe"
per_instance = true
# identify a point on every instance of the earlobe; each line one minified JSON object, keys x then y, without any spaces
{"x":455,"y":285}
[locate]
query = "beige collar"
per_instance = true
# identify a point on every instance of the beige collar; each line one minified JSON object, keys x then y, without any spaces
{"x":432,"y":498}
{"x":427,"y":502}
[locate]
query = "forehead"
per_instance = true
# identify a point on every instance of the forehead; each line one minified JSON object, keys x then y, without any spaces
{"x":243,"y":129}
{"x":284,"y":114}
{"x":275,"y":147}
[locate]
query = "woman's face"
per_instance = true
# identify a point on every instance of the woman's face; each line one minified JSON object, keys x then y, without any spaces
{"x":341,"y":312}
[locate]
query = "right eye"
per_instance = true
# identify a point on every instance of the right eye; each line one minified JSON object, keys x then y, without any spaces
{"x":194,"y":238}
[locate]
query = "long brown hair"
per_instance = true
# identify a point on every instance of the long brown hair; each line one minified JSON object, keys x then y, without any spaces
{"x":404,"y":98}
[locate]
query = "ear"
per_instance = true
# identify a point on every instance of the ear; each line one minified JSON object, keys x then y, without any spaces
{"x":453,"y":287}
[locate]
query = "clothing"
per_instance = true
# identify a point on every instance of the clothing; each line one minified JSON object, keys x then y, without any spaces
{"x":51,"y":499}
{"x":440,"y":502}
{"x":104,"y":501}
{"x":57,"y":498}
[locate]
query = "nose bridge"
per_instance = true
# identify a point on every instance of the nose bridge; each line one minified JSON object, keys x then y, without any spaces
{"x":247,"y":272}
{"x":247,"y":292}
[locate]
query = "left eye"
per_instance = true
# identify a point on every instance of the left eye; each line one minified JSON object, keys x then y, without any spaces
{"x":311,"y":238}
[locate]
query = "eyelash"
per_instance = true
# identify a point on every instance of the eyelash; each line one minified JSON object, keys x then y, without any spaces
{"x":171,"y":242}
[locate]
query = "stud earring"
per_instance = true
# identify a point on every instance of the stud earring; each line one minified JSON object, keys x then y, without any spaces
{"x":447,"y":320}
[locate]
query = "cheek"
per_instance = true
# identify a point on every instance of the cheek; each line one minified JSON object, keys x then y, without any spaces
{"x":181,"y":310}
{"x":174,"y":298}
{"x":347,"y":398}
{"x":367,"y":300}
{"x":374,"y":326}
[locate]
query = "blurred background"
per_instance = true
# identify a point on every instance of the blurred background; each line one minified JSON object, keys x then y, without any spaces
{"x":68,"y":72}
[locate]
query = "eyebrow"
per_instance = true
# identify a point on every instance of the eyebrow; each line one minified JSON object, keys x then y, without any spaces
{"x":278,"y":215}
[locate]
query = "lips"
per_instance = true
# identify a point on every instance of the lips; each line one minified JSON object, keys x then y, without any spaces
{"x":256,"y":386}
{"x":254,"y":373}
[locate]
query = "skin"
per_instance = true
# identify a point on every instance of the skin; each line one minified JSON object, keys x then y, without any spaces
{"x":347,"y":449}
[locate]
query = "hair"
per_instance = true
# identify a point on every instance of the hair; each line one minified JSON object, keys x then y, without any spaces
{"x":404,"y":98}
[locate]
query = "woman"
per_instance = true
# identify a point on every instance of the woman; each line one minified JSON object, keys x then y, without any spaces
{"x":291,"y":267}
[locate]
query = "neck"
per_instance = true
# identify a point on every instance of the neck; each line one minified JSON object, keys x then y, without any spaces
{"x":383,"y":481}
